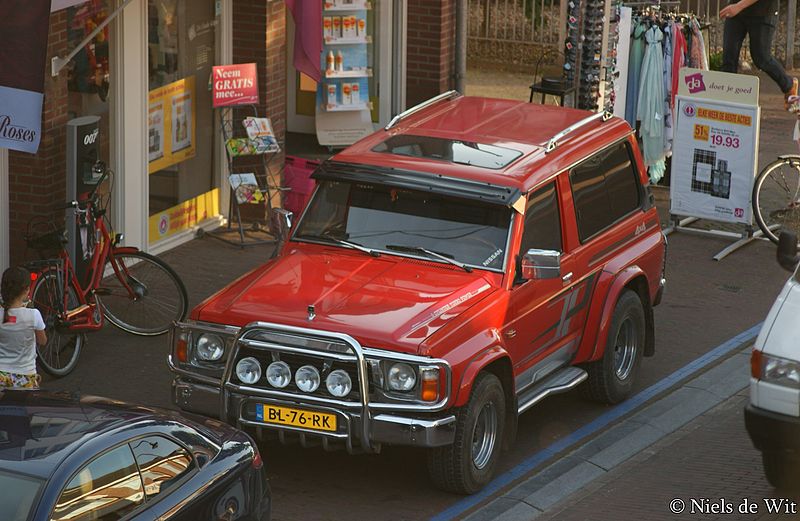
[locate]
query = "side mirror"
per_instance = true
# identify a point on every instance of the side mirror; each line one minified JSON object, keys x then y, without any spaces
{"x":280,"y":222}
{"x":541,"y":264}
{"x":787,"y":250}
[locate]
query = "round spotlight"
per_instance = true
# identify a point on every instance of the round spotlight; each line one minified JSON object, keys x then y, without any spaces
{"x":339,"y":383}
{"x":279,"y":375}
{"x":248,"y":370}
{"x":307,"y":378}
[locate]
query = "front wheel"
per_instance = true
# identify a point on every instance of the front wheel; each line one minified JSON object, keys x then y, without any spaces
{"x":141,"y":294}
{"x":776,"y":198}
{"x":60,"y":355}
{"x":468,"y":464}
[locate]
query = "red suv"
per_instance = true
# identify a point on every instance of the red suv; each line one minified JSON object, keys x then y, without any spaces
{"x":450,"y":271}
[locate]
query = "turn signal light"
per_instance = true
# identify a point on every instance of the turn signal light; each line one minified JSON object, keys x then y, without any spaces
{"x":430,"y":383}
{"x":181,"y":351}
{"x":755,"y":364}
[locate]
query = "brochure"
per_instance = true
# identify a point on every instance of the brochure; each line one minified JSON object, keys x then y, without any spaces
{"x":246,"y":188}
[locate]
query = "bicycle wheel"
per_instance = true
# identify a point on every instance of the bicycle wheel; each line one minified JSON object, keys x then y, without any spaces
{"x":60,"y":355}
{"x":776,"y":198}
{"x":141,"y":294}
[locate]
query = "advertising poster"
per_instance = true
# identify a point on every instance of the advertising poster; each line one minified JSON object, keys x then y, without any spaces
{"x":171,"y":115}
{"x":184,"y":215}
{"x":716,"y":145}
{"x":234,"y":85}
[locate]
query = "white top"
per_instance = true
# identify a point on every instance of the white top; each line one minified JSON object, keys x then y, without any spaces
{"x":18,"y":341}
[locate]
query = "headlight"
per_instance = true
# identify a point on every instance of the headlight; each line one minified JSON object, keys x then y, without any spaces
{"x":279,"y":375}
{"x":307,"y":378}
{"x":401,"y":377}
{"x":248,"y":370}
{"x":775,"y":370}
{"x":339,"y":383}
{"x":210,"y":348}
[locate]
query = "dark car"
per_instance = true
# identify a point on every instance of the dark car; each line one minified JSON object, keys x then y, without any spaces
{"x":68,"y":458}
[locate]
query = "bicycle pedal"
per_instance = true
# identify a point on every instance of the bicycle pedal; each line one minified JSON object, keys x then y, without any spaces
{"x":77,"y":311}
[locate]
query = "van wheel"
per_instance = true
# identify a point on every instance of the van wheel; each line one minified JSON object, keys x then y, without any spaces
{"x":611,"y":378}
{"x":468,"y":464}
{"x":782,"y":471}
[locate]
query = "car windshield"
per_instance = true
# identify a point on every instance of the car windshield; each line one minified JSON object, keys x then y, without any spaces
{"x":408,"y":222}
{"x":19,"y":493}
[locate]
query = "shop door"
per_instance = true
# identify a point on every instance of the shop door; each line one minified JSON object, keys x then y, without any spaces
{"x":183,"y":45}
{"x":383,"y":20}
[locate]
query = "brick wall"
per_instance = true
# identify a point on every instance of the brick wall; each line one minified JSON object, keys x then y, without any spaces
{"x":431,"y":48}
{"x":37,"y":183}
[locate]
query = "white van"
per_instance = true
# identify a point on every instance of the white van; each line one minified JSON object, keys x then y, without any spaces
{"x":773,"y":416}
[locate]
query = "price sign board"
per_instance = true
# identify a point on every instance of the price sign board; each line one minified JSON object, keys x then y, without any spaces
{"x":715,"y":146}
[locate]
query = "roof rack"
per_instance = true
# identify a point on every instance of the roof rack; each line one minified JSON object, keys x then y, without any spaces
{"x":450,"y":94}
{"x":553,"y":143}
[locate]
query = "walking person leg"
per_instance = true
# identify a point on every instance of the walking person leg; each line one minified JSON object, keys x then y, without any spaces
{"x":732,"y":38}
{"x":762,"y":33}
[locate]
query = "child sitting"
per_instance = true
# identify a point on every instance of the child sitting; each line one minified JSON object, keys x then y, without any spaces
{"x":21,"y":328}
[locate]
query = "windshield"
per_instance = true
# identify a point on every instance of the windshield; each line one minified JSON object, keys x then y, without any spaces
{"x":397,"y":221}
{"x":19,"y":493}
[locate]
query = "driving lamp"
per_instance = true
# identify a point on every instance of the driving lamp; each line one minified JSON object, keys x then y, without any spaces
{"x":339,"y":383}
{"x":210,"y":348}
{"x":279,"y":375}
{"x":307,"y":379}
{"x":248,"y":370}
{"x":401,"y":377}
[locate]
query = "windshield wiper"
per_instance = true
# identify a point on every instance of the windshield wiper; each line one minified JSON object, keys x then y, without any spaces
{"x":430,"y":253}
{"x":353,"y":245}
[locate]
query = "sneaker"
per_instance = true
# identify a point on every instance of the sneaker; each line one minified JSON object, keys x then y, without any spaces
{"x":791,"y":93}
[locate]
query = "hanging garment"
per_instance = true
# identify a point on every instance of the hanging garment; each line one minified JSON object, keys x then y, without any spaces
{"x":650,"y":109}
{"x":634,"y":71}
{"x":678,"y":59}
{"x":697,"y":51}
{"x":701,"y":42}
{"x":667,"y":50}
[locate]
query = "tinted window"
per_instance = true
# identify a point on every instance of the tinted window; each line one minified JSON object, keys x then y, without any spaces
{"x":162,"y":463}
{"x":605,"y":188}
{"x":17,"y":496}
{"x":542,"y":222}
{"x":454,"y":151}
{"x":108,"y":488}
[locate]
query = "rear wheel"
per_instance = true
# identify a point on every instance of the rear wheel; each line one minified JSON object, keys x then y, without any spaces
{"x":776,"y":198}
{"x":141,"y":294}
{"x":60,"y":355}
{"x":468,"y":464}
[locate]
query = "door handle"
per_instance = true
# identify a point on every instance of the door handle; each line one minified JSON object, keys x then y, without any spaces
{"x":566,"y":279}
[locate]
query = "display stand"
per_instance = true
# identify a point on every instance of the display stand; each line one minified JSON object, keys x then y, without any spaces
{"x":259,"y":164}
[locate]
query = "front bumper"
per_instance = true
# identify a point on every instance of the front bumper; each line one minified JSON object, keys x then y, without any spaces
{"x":772,"y":432}
{"x":430,"y":430}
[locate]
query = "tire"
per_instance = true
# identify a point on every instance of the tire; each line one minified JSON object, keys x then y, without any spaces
{"x":60,"y":355}
{"x":782,"y":471}
{"x":611,"y":378}
{"x":776,"y":198}
{"x":469,"y":463}
{"x":158,"y":299}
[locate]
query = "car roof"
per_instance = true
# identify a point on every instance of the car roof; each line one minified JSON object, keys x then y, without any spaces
{"x":39,"y":430}
{"x":525,"y":127}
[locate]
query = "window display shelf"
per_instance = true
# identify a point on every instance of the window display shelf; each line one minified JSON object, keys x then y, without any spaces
{"x":358,"y":73}
{"x":348,"y":41}
{"x":348,"y":108}
{"x":366,"y":6}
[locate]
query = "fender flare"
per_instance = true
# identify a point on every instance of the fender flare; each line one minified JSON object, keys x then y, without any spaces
{"x":617,"y":286}
{"x":474,"y":366}
{"x":126,"y":249}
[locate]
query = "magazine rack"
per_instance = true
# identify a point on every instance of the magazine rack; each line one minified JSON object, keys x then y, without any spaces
{"x":260,"y":165}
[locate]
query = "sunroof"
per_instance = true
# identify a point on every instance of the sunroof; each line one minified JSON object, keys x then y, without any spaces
{"x":453,"y":151}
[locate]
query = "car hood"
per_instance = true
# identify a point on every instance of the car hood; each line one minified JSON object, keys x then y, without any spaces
{"x":385,"y":302}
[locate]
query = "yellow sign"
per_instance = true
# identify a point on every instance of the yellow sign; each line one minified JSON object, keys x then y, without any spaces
{"x":184,"y":216}
{"x":318,"y":421}
{"x":701,"y":132}
{"x":171,"y":124}
{"x":727,"y":117}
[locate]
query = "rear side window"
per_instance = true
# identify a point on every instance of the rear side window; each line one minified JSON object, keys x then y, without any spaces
{"x":162,"y":463}
{"x":605,"y":188}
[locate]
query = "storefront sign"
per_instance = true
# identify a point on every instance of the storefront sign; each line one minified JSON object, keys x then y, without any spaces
{"x":171,"y":124}
{"x":234,"y":85}
{"x":24,"y":26}
{"x":184,"y":215}
{"x":715,"y":146}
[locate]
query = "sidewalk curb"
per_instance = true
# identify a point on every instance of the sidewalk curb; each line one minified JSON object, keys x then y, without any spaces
{"x":599,"y":455}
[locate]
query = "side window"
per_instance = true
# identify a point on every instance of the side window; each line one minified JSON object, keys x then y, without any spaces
{"x":108,"y":488}
{"x":605,"y":188}
{"x":162,"y":463}
{"x":542,"y":221}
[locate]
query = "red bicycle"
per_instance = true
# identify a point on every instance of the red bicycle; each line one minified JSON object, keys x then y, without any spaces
{"x":137,"y":292}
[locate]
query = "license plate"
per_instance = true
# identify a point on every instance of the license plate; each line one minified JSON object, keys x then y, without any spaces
{"x":317,"y":421}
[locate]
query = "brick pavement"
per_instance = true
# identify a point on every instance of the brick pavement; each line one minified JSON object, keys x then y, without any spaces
{"x":710,"y":458}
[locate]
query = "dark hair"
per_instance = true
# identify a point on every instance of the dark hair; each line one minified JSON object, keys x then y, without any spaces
{"x":15,"y":281}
